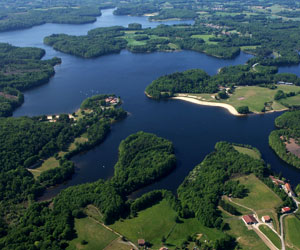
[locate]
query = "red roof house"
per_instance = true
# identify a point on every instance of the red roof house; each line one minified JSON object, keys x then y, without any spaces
{"x":288,"y":187}
{"x":266,"y":219}
{"x":249,"y":219}
{"x":141,"y":242}
{"x":285,"y":210}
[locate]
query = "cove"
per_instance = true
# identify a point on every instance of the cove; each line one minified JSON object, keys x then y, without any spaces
{"x":193,"y":129}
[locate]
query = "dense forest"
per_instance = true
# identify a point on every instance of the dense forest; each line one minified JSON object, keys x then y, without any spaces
{"x":98,"y":42}
{"x":21,"y":69}
{"x":197,"y":81}
{"x":190,"y":81}
{"x":285,"y":139}
{"x":48,"y":228}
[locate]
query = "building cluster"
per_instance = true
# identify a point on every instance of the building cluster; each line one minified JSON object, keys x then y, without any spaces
{"x":251,"y":220}
{"x":285,"y":83}
{"x":287,"y":189}
{"x":112,"y":100}
{"x":214,"y":26}
{"x":284,"y":185}
{"x":52,"y":118}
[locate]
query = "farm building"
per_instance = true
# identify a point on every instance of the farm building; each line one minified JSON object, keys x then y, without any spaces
{"x":266,"y":219}
{"x":141,"y":242}
{"x":285,"y":210}
{"x":249,"y":219}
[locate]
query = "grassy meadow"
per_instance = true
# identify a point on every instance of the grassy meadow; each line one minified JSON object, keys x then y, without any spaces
{"x":158,"y":221}
{"x":255,"y":97}
{"x":96,"y":236}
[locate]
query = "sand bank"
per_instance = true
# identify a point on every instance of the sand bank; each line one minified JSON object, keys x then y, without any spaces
{"x":193,"y":99}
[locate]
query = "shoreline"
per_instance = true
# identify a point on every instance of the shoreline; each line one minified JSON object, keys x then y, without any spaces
{"x":230,"y":108}
{"x":193,"y":99}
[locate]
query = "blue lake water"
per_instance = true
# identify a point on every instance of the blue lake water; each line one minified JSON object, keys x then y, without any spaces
{"x":193,"y":129}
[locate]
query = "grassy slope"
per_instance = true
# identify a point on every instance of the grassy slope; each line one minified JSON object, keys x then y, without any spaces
{"x":97,"y":236}
{"x":247,"y":151}
{"x":254,"y":97}
{"x":260,"y":198}
{"x":271,"y":235}
{"x":292,"y":229}
{"x":158,"y":221}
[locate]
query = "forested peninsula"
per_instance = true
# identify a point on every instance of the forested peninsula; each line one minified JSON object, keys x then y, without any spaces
{"x":285,"y":139}
{"x":232,"y":85}
{"x":21,"y":69}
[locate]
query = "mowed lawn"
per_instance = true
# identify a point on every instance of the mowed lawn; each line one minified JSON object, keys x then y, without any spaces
{"x":260,"y":198}
{"x":292,"y":230}
{"x":97,"y":236}
{"x":255,"y":97}
{"x":271,"y":235}
{"x":158,"y":221}
{"x":248,"y":151}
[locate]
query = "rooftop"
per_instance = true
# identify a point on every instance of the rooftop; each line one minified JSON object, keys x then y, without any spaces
{"x":249,"y":219}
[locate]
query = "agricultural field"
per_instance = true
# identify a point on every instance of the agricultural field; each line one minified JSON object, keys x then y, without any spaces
{"x":292,"y":229}
{"x":271,"y":235}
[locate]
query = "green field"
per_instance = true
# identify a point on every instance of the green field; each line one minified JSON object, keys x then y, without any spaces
{"x":255,"y":97}
{"x":292,"y":229}
{"x":260,"y":198}
{"x":252,"y":153}
{"x":292,"y":101}
{"x":97,"y":236}
{"x":159,"y":221}
{"x":271,"y":235}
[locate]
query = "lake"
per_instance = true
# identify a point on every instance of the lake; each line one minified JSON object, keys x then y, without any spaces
{"x":193,"y":129}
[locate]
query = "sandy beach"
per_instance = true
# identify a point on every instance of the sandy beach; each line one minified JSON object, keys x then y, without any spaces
{"x":193,"y":99}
